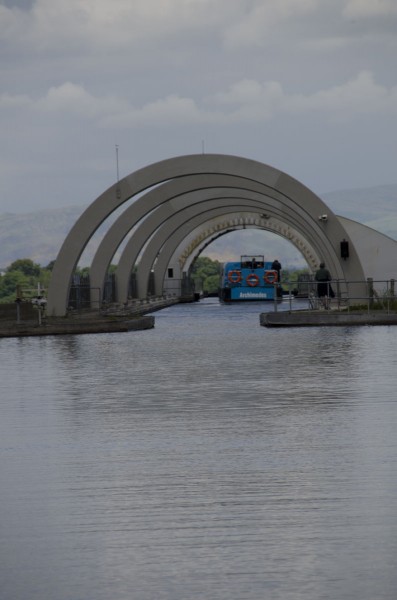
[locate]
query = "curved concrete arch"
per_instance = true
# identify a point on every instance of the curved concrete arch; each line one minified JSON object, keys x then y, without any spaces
{"x":180,"y":259}
{"x":165,"y":218}
{"x":143,"y":209}
{"x":165,"y":257}
{"x":203,"y":237}
{"x":136,"y":243}
{"x":313,"y":233}
{"x":180,"y":221}
{"x":186,"y":219}
{"x":146,"y":204}
{"x":123,"y":190}
{"x":174,"y":168}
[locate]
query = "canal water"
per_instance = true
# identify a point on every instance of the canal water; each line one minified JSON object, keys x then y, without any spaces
{"x":208,"y":458}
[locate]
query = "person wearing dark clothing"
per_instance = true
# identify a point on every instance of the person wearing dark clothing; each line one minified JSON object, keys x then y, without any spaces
{"x":323,"y":276}
{"x":276,"y":266}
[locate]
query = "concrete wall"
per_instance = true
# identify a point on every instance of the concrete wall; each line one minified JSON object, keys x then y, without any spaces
{"x":378,"y":252}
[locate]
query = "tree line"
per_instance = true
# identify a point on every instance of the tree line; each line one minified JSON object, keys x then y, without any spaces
{"x":24,"y":278}
{"x":25,"y":274}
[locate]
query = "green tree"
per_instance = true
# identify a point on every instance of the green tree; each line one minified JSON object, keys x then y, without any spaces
{"x":204,"y":267}
{"x":83,"y":271}
{"x":292,"y":275}
{"x":205,"y":273}
{"x":23,"y":274}
{"x":26,"y":266}
{"x":211,"y":284}
{"x":9,"y":283}
{"x":50,"y":265}
{"x":44,"y":278}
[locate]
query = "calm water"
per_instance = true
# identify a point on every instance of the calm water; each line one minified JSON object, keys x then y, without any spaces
{"x":209,"y":458}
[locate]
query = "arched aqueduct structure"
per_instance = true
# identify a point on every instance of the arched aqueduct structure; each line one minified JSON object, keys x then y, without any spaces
{"x":167,"y":212}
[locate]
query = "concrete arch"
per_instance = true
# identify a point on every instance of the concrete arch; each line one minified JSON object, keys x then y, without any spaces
{"x":139,"y":210}
{"x":164,"y":220}
{"x":163,"y":217}
{"x":294,"y":216}
{"x":285,"y":195}
{"x":184,"y":189}
{"x":186,"y":220}
{"x":164,"y":258}
{"x":205,"y":235}
{"x":168,"y":256}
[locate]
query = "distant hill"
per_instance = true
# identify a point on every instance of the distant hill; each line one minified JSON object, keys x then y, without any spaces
{"x":375,"y":207}
{"x":39,"y":235}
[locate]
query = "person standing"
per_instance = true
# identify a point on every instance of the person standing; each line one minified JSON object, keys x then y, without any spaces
{"x":276,"y":266}
{"x":324,"y":289}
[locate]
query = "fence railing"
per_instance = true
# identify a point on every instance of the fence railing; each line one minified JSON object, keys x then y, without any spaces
{"x":340,"y":294}
{"x":348,"y":295}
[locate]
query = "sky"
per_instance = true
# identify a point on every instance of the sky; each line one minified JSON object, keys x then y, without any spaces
{"x":306,"y":86}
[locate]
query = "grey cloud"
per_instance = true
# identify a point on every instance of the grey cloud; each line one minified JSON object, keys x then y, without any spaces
{"x":370,"y":9}
{"x":245,"y":100}
{"x":306,"y":85}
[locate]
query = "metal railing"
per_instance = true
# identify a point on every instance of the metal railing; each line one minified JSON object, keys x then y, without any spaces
{"x":344,"y":295}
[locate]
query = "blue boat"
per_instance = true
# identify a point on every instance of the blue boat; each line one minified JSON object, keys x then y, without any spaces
{"x":250,"y":279}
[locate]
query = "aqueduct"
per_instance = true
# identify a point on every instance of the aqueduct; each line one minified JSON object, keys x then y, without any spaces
{"x":170,"y":210}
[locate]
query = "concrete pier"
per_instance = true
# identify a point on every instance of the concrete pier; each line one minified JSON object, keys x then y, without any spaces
{"x":76,"y":326}
{"x":115,"y":318}
{"x":303,"y":318}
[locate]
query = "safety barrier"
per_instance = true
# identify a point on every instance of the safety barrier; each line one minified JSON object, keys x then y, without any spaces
{"x":344,"y":295}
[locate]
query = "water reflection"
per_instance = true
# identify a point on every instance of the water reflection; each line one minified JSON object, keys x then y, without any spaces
{"x":207,"y":458}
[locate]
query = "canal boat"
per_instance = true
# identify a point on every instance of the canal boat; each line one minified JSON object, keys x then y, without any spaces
{"x":249,"y":279}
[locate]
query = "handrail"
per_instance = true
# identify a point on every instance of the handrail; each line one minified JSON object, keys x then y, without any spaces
{"x":375,"y":294}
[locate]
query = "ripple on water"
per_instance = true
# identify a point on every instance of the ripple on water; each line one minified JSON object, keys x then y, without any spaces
{"x":207,"y":458}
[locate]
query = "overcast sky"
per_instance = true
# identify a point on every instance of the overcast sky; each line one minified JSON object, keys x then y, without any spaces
{"x":307,"y":86}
